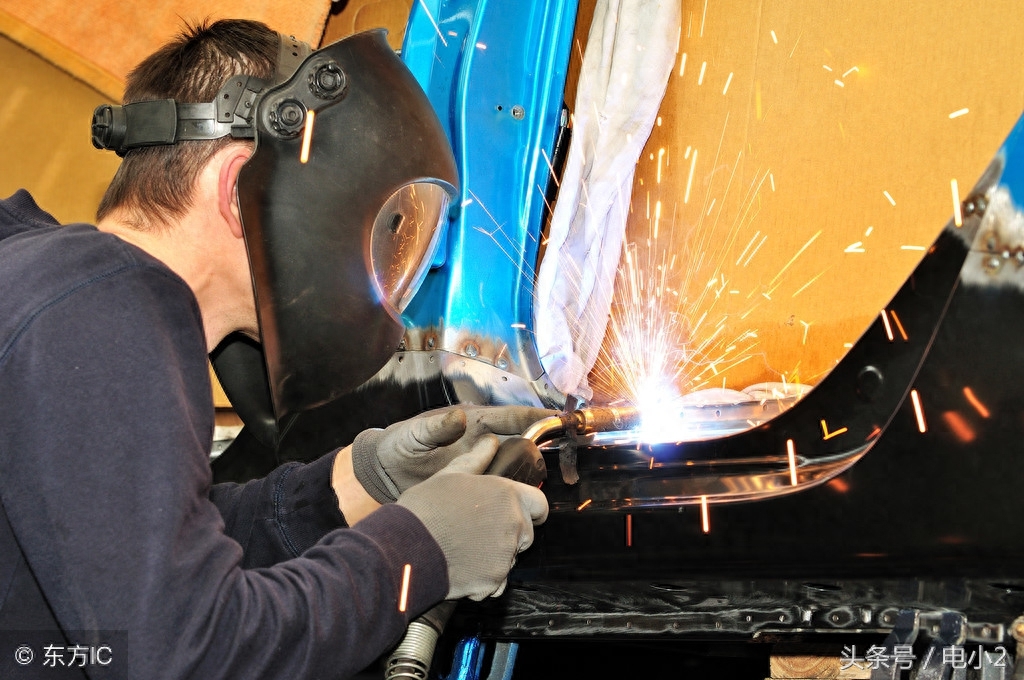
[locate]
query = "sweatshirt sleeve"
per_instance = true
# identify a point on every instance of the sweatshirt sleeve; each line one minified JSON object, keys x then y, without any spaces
{"x":282,"y":515}
{"x":104,"y":441}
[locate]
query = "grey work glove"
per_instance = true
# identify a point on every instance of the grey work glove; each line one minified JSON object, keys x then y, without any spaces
{"x":481,"y":523}
{"x":387,"y":462}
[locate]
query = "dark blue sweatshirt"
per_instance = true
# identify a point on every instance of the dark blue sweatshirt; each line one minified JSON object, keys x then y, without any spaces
{"x":118,"y":556}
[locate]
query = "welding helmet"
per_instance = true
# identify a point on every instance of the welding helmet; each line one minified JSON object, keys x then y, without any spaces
{"x":342,"y":203}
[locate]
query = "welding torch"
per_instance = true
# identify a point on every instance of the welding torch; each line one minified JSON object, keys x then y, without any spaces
{"x":519,"y":459}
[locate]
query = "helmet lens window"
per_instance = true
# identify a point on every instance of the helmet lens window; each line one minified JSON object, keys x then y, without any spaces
{"x":404,"y":237}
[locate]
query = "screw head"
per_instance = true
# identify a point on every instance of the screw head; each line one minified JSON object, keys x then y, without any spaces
{"x":518,"y":112}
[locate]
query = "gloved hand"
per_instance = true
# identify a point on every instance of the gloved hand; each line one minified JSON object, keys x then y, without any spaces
{"x":481,"y":523}
{"x":387,"y":462}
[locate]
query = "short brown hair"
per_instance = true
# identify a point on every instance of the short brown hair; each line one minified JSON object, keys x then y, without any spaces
{"x":156,"y":183}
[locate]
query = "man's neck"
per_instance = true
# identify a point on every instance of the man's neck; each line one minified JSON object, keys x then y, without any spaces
{"x":190,"y":249}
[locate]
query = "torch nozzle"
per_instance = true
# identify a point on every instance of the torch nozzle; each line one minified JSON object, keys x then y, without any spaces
{"x":584,"y":421}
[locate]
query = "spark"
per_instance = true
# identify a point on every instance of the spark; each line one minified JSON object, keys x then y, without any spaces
{"x":761,"y":243}
{"x":518,"y":325}
{"x":791,"y":452}
{"x":436,"y":27}
{"x":585,"y":504}
{"x":793,"y":259}
{"x":839,"y":83}
{"x":659,"y":121}
{"x":629,"y":531}
{"x":960,"y":428}
{"x":958,"y":113}
{"x":827,"y":67}
{"x":749,"y":243}
{"x":703,"y":68}
{"x":727,"y":82}
{"x":481,"y":46}
{"x":839,"y":485}
{"x":857,"y":247}
{"x":921,"y":248}
{"x":851,"y":70}
{"x":826,"y":435}
{"x":775,"y":38}
{"x":868,"y":231}
{"x":705,"y":521}
{"x":554,"y":175}
{"x":682,"y":65}
{"x":689,"y":180}
{"x":307,"y":136}
{"x":889,"y":198}
{"x":958,"y":217}
{"x":807,"y":327}
{"x":703,"y":17}
{"x":661,"y":154}
{"x":899,"y":326}
{"x":466,"y":203}
{"x":888,"y":328}
{"x":976,"y":403}
{"x":918,"y":411}
{"x":404,"y":598}
{"x":772,"y":178}
{"x":650,"y":466}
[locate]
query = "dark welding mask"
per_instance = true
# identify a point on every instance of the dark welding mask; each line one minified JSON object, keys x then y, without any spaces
{"x":342,"y":203}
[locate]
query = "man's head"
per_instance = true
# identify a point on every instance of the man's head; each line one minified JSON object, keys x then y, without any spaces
{"x":154,"y":184}
{"x":340,"y":200}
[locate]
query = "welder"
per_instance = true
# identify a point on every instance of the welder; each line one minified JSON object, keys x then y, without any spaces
{"x":261,"y":182}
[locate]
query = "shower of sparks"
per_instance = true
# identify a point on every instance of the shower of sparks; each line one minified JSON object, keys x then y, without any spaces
{"x":918,"y":411}
{"x":307,"y":137}
{"x":791,"y":452}
{"x":434,"y":22}
{"x":889,"y":198}
{"x":958,"y":217}
{"x":705,"y":521}
{"x":958,"y":113}
{"x":404,"y":598}
{"x":976,"y":403}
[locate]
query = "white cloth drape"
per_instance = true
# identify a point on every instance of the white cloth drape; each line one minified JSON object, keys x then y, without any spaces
{"x":630,"y":53}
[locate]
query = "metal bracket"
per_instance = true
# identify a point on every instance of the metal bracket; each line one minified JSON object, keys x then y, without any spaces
{"x":903,"y":634}
{"x":935,"y":666}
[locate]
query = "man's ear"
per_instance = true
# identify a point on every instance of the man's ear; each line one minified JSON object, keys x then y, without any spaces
{"x":227,"y":183}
